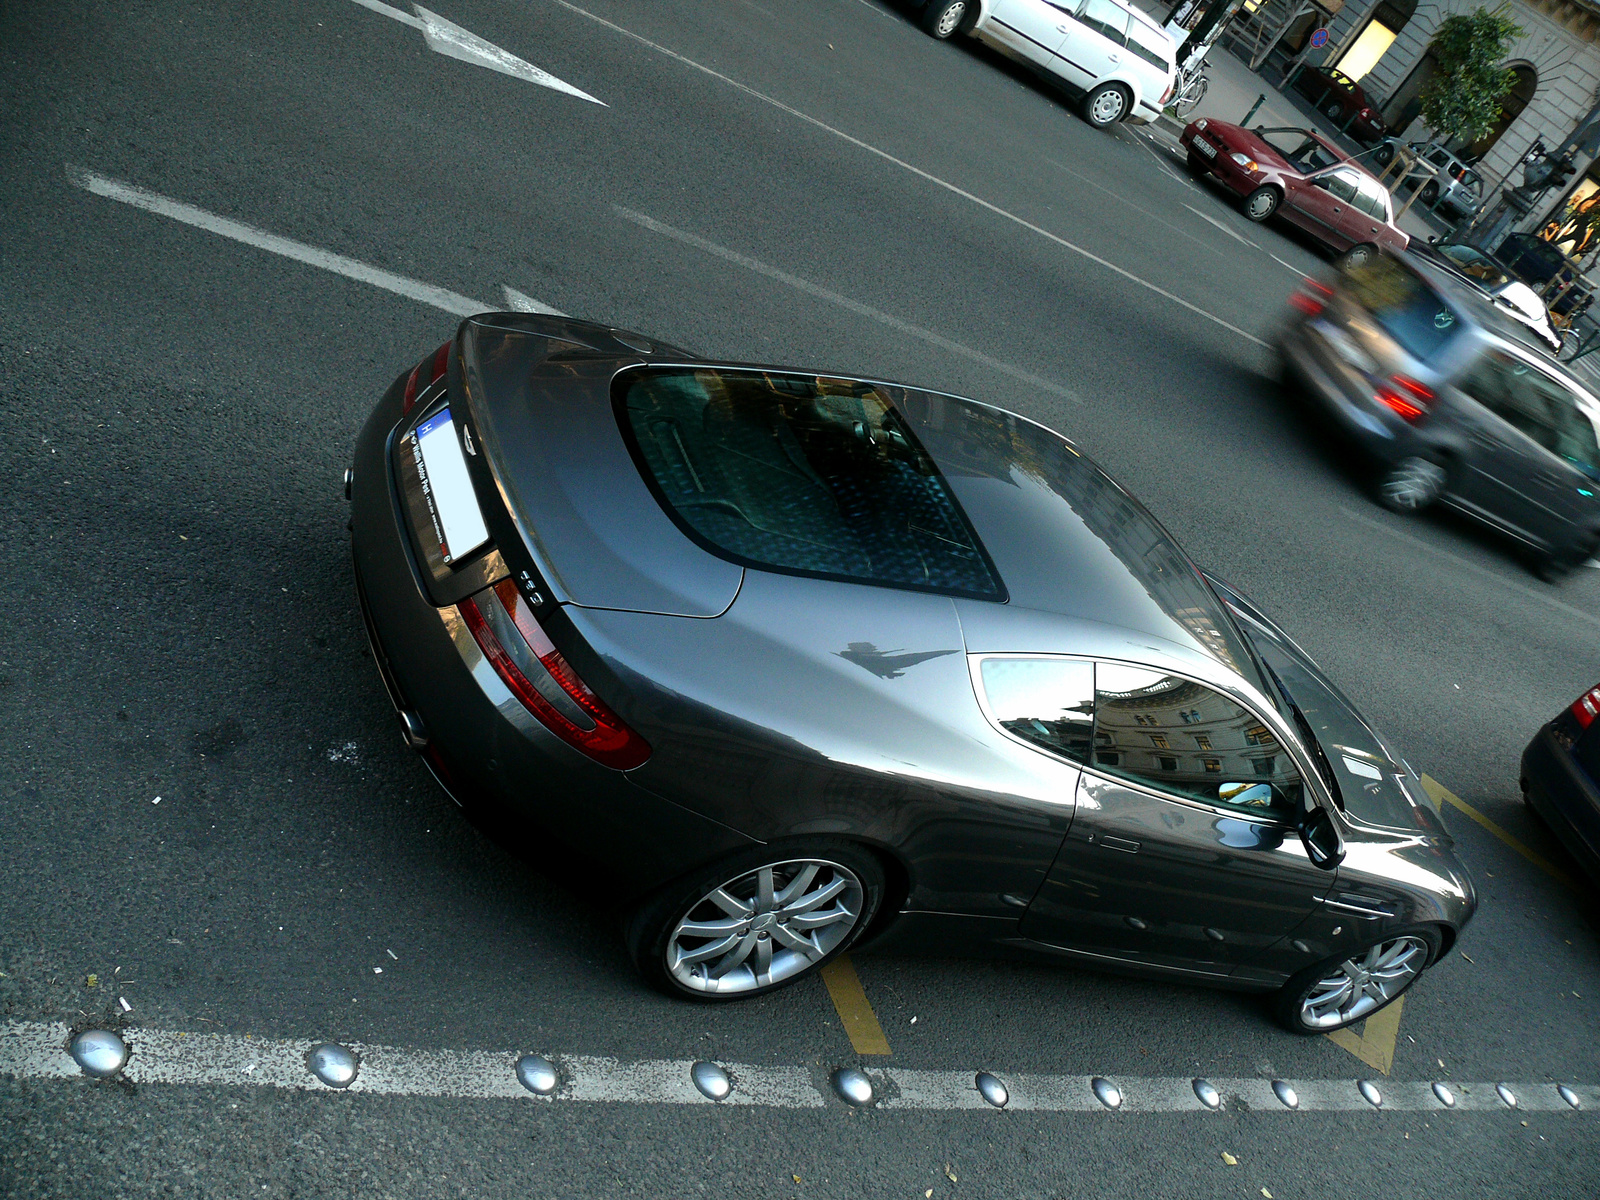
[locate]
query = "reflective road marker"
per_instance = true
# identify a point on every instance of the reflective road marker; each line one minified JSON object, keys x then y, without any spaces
{"x":850,"y":1000}
{"x":327,"y":260}
{"x":447,"y":38}
{"x":32,"y":1050}
{"x":1443,"y":795}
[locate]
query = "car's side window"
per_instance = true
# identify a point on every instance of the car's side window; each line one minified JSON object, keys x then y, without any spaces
{"x":1572,"y":433}
{"x":1503,"y":385}
{"x":1371,"y":199}
{"x":1046,"y":701}
{"x":1342,"y":184}
{"x":1150,"y":45}
{"x":1178,"y":736}
{"x":1106,"y":18}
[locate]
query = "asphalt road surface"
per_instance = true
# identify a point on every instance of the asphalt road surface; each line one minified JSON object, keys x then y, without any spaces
{"x":226,"y":227}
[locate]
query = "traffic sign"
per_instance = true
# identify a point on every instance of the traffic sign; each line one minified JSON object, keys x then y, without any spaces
{"x":1319,"y":39}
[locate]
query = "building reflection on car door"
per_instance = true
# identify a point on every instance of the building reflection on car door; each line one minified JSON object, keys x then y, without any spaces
{"x":1153,"y":872}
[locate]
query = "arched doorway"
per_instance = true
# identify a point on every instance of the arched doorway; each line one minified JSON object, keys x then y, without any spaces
{"x":1510,"y":109}
{"x":1362,"y":53}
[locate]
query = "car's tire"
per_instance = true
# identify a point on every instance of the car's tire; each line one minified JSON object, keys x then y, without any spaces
{"x":1383,"y":155}
{"x":944,"y":18}
{"x":1333,"y":111}
{"x":819,"y":895}
{"x":1262,"y":203}
{"x":1430,"y":192}
{"x":1372,"y":978}
{"x":1106,"y":105}
{"x":1412,"y":484}
{"x":1555,"y":567}
{"x":1357,"y":256}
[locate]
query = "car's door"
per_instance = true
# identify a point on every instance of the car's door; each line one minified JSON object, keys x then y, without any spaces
{"x":1367,"y":220}
{"x":1183,"y":851}
{"x":1320,"y":202}
{"x":1098,"y":42}
{"x":1035,"y":29}
{"x":1510,"y":433}
{"x":1563,"y":487}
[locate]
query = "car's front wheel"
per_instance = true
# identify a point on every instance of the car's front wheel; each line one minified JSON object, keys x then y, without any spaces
{"x":1556,"y":566}
{"x":943,"y":18}
{"x":757,"y":921}
{"x":1340,"y":991}
{"x":1106,"y":105}
{"x":1262,"y":203}
{"x":1412,"y":484}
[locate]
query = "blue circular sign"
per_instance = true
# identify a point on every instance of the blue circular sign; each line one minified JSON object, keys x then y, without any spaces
{"x":1319,"y":39}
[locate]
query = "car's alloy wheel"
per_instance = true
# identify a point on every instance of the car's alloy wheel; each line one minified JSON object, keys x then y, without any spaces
{"x":1364,"y":983}
{"x":1261,"y":203}
{"x":942,"y":18}
{"x":1412,"y":484}
{"x":1357,"y":256}
{"x":1334,"y":111}
{"x":1106,"y":105}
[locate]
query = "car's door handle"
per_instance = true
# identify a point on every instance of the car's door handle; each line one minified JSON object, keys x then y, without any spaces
{"x":1063,"y":29}
{"x":1116,"y":58}
{"x":1116,"y":843}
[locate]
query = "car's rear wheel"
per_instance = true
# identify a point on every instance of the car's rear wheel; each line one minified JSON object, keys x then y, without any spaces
{"x":1383,"y":155}
{"x":1357,"y":256}
{"x":1430,"y":192}
{"x":1262,"y":203}
{"x":1340,"y":991}
{"x":944,"y":18}
{"x":755,"y":922}
{"x":1412,"y":484}
{"x":1106,"y":105}
{"x":1334,"y":111}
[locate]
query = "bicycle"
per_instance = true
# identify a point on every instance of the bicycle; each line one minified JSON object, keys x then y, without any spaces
{"x":1190,"y":90}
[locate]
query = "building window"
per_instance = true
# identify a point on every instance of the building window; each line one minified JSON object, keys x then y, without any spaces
{"x":1213,"y":766}
{"x":1159,"y":741}
{"x":1203,"y":740}
{"x":1264,"y":766}
{"x":1169,"y":764}
{"x":1259,"y":735}
{"x":1107,"y":758}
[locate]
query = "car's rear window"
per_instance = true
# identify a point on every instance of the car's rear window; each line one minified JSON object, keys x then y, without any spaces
{"x":1409,"y":311}
{"x":802,"y":474}
{"x":1151,"y":45}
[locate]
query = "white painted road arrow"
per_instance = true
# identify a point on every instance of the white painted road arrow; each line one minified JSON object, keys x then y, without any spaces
{"x":448,"y":38}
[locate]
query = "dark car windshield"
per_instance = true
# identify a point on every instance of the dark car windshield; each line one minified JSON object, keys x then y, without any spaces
{"x":1299,"y":148}
{"x":803,"y":474}
{"x":1410,"y":311}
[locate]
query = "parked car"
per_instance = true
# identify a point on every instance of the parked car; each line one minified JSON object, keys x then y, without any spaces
{"x":787,"y":659}
{"x":1561,"y":778}
{"x":1119,"y":59}
{"x":1477,"y":268}
{"x":1455,"y":402}
{"x":1341,"y":100}
{"x":1302,"y":176}
{"x":1543,"y":267}
{"x":1457,"y":182}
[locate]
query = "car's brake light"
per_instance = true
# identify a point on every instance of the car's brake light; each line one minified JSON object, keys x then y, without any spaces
{"x":441,"y":360}
{"x":1405,"y":396}
{"x":1586,"y":708}
{"x":1172,"y":85}
{"x":1313,"y":299}
{"x":609,"y":741}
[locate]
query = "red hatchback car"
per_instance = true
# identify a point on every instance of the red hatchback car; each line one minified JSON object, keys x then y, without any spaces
{"x":1309,"y":180}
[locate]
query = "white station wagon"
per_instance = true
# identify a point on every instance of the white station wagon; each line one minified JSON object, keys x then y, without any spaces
{"x":1120,"y":59}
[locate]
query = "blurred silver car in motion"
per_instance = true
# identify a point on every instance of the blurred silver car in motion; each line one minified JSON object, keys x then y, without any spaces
{"x":1455,"y":400}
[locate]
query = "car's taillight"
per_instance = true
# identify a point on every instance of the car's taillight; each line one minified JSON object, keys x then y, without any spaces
{"x":1172,"y":85}
{"x":1313,"y":299}
{"x":1586,"y":708}
{"x":607,"y":740}
{"x":1405,"y":396}
{"x":441,"y":360}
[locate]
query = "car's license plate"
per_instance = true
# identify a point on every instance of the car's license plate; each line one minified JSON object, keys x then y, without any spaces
{"x":457,"y":520}
{"x":1204,"y":147}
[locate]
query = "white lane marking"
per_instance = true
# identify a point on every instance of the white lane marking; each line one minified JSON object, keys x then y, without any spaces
{"x":518,"y":302}
{"x":919,"y":172}
{"x":1238,"y":237}
{"x":1160,"y":162}
{"x":327,"y":260}
{"x":448,"y":38}
{"x":35,"y":1050}
{"x":1129,"y":203}
{"x":1291,"y":266}
{"x":1466,"y":564}
{"x":822,"y":293}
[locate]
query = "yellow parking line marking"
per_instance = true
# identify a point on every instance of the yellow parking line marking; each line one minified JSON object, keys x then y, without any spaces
{"x":1441,"y":794}
{"x":860,"y":1022}
{"x":1374,"y":1045}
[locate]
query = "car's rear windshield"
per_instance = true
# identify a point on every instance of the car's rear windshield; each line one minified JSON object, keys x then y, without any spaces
{"x":803,"y":474}
{"x":1410,"y":311}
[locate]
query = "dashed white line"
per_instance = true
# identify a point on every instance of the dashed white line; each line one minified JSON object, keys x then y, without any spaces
{"x":517,"y":302}
{"x":1238,"y":237}
{"x":327,"y":260}
{"x":855,"y":306}
{"x":36,"y":1051}
{"x":917,"y":171}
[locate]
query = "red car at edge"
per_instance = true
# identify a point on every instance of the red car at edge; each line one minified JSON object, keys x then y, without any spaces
{"x":1303,"y":178}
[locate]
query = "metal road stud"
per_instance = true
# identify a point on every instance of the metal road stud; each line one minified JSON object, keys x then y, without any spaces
{"x":1506,"y":1095}
{"x":1285,"y":1094}
{"x":1446,"y":1096}
{"x":333,"y":1064}
{"x":1206,"y":1094}
{"x":991,"y":1089}
{"x":538,"y":1074}
{"x":710,"y":1080}
{"x":1567,"y":1094}
{"x":1369,"y":1092}
{"x":99,"y":1052}
{"x":1106,"y":1092}
{"x":853,"y":1086}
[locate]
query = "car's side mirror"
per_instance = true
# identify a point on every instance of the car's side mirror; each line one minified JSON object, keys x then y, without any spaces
{"x":1323,"y":843}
